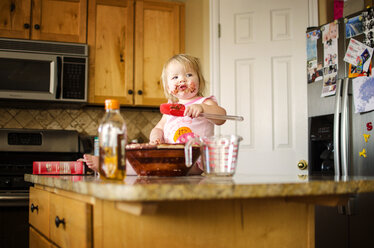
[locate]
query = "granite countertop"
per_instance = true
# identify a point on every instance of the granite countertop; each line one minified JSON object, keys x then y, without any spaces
{"x":135,"y":188}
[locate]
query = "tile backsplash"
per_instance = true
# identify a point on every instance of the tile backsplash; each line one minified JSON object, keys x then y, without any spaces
{"x":85,"y":120}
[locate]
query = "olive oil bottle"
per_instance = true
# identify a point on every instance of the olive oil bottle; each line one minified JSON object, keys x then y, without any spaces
{"x":112,"y":142}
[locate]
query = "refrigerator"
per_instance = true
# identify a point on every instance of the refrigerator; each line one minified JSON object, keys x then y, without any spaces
{"x":340,"y":123}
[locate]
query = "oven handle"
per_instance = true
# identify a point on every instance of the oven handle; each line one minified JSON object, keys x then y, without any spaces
{"x":21,"y":200}
{"x":14,"y":197}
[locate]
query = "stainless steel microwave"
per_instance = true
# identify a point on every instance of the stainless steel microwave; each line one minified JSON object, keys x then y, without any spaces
{"x":41,"y":70}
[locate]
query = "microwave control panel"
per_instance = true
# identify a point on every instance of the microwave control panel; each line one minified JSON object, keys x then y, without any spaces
{"x":74,"y":78}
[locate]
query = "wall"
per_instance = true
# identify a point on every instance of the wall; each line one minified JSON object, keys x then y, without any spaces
{"x":326,"y":9}
{"x":197,"y":34}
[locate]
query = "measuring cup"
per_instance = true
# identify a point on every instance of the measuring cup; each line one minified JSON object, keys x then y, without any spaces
{"x":218,"y":153}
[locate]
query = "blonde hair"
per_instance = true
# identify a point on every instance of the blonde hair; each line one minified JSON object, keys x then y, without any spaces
{"x":188,"y":62}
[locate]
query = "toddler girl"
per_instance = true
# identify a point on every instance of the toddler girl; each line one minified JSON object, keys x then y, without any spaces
{"x":184,"y":83}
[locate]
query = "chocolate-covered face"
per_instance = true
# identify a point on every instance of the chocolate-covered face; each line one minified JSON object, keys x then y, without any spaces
{"x":182,"y":82}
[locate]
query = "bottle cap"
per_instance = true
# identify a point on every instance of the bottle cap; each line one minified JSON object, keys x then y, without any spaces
{"x":111,"y":104}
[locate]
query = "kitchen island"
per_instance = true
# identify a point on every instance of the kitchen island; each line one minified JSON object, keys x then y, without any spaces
{"x":195,"y":211}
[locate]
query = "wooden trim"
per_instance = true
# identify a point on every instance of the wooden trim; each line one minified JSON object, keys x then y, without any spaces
{"x":36,"y":8}
{"x":91,"y":41}
{"x":137,"y":208}
{"x":82,"y":37}
{"x":139,"y":50}
{"x":130,"y":53}
{"x":182,"y":21}
{"x":68,"y":194}
{"x":98,"y":224}
{"x":311,"y":227}
{"x":114,"y":2}
{"x":330,"y":200}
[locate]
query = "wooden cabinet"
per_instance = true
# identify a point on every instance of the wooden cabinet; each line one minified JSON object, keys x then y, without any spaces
{"x":70,"y":222}
{"x":159,"y":34}
{"x":39,"y":210}
{"x":60,"y":219}
{"x":53,"y":20}
{"x":126,"y":70}
{"x":110,"y":39}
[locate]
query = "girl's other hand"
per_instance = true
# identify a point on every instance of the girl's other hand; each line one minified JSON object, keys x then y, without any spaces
{"x":91,"y":161}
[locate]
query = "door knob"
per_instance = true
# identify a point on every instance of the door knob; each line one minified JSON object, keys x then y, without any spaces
{"x":302,"y":165}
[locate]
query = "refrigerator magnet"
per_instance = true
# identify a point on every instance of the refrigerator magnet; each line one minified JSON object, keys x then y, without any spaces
{"x":330,"y":32}
{"x":366,"y":137}
{"x":369,"y":126}
{"x":363,"y":153}
{"x":358,"y":54}
{"x":358,"y":71}
{"x":363,"y":94}
{"x":353,"y":26}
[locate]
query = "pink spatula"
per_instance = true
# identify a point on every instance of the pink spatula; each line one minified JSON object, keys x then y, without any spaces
{"x":177,"y":109}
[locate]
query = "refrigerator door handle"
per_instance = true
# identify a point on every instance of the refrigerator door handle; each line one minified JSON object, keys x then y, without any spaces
{"x":344,"y":138}
{"x":336,"y":136}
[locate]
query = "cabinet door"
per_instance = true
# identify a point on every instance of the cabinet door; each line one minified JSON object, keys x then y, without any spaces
{"x":70,"y":222}
{"x":59,"y":20}
{"x":15,"y":18}
{"x":110,"y":38}
{"x":159,"y":34}
{"x":39,"y":210}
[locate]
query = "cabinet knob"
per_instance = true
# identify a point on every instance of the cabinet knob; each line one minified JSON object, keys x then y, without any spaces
{"x":121,"y":58}
{"x":140,"y":92}
{"x":130,"y":92}
{"x":26,"y":26}
{"x":12,"y":7}
{"x":302,"y":165}
{"x":32,"y":208}
{"x":37,"y":26}
{"x":58,"y":221}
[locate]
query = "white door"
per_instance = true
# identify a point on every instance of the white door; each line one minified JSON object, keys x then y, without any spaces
{"x":262,"y":77}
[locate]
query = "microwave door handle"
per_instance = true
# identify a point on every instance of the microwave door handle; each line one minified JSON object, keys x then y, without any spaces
{"x":59,"y":71}
{"x":336,"y":128}
{"x":344,"y":139}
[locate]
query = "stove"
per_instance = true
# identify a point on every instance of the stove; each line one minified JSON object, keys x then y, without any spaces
{"x":18,"y":149}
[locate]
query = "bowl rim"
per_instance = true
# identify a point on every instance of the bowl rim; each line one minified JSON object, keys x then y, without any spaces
{"x":147,"y":146}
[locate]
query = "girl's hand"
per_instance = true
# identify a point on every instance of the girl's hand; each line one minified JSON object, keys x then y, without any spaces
{"x":156,"y":137}
{"x":194,"y":110}
{"x":156,"y":141}
{"x":91,"y":161}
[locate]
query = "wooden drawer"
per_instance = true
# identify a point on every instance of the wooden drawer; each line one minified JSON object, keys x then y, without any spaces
{"x":39,"y":210}
{"x":38,"y":241}
{"x":70,"y":222}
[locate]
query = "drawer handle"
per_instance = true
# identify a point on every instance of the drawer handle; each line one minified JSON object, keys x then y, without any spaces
{"x":34,"y":208}
{"x":58,"y":221}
